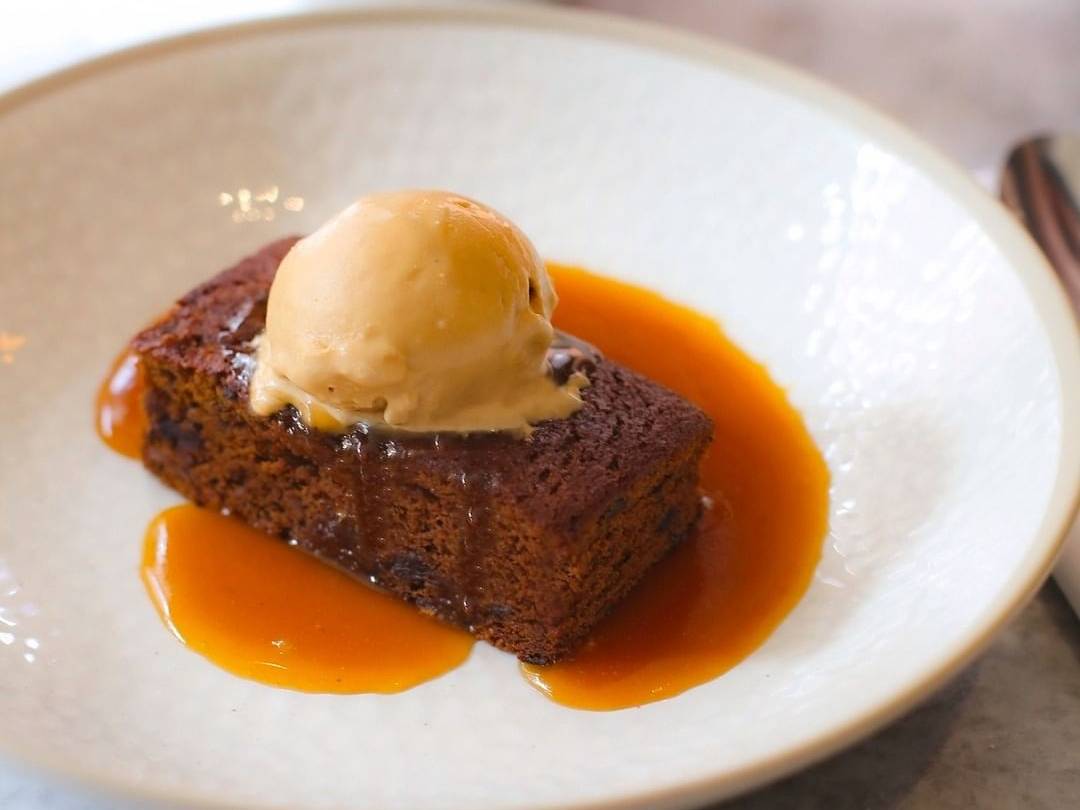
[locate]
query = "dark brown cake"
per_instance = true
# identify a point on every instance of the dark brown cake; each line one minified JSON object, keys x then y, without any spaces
{"x":526,"y":542}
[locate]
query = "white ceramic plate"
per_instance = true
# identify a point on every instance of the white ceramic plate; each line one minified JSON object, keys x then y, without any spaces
{"x":915,"y":327}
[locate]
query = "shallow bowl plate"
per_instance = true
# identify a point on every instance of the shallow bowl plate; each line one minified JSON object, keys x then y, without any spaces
{"x":911,"y":322}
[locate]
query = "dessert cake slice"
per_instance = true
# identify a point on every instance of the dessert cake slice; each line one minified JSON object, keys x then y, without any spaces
{"x":527,"y":542}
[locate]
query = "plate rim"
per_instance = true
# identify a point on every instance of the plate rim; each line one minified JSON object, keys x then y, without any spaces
{"x":1026,"y":261}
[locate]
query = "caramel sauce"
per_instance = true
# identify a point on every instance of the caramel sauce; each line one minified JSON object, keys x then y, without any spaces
{"x":269,"y":612}
{"x":262,"y":610}
{"x":723,"y":591}
{"x":118,"y":411}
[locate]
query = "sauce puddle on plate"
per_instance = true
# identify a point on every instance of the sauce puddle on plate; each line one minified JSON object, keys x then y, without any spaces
{"x":723,"y":591}
{"x":118,"y":412}
{"x":263,"y":610}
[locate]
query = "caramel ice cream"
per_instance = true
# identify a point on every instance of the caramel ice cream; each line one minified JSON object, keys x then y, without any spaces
{"x":417,"y":310}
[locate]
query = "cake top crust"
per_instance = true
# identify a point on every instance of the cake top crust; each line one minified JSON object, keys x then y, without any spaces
{"x":563,"y":472}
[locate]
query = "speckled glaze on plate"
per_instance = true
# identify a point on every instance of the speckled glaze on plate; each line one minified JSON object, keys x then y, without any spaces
{"x":911,"y":321}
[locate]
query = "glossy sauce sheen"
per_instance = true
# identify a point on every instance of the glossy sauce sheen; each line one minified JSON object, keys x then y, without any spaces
{"x":719,"y":595}
{"x":118,"y":413}
{"x":266,"y":611}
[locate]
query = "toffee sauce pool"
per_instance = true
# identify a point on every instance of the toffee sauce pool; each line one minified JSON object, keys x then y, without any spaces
{"x":268,"y":612}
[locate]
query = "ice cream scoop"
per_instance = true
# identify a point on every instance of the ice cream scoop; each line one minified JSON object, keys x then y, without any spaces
{"x":418,"y":310}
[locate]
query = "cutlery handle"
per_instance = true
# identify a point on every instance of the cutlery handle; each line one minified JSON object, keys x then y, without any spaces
{"x":1041,"y":183}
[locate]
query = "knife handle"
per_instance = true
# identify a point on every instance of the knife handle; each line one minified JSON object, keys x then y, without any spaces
{"x":1041,"y":184}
